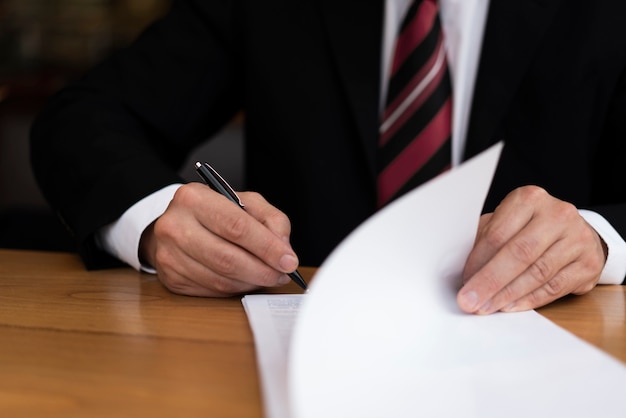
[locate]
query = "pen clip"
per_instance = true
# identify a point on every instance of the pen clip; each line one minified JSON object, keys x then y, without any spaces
{"x":217,"y":182}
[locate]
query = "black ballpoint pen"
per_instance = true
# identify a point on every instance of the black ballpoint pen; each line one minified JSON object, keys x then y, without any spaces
{"x":213,"y":179}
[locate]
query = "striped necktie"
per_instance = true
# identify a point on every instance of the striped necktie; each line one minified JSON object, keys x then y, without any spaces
{"x":415,"y":133}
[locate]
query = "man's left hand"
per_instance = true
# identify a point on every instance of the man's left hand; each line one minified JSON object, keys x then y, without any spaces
{"x":532,"y":250}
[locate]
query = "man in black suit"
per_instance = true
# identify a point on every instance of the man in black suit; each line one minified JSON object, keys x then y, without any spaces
{"x":546,"y":76}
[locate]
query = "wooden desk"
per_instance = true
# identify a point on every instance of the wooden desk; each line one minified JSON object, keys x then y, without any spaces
{"x":116,"y":343}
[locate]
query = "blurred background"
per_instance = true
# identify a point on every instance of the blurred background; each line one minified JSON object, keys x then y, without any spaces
{"x":43,"y":45}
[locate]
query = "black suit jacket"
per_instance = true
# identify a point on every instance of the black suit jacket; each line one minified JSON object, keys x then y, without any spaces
{"x":551,"y":84}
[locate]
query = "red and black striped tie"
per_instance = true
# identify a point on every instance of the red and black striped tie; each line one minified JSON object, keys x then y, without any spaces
{"x":415,"y":133}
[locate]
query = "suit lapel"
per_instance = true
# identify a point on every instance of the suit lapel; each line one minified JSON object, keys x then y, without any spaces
{"x":514,"y":30}
{"x":355,"y":34}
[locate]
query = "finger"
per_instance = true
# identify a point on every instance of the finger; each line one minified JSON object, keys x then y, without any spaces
{"x":228,"y":260}
{"x":570,"y":240}
{"x":239,"y":227}
{"x":184,"y":275}
{"x":184,"y":238}
{"x":513,"y":258}
{"x":270,"y":216}
{"x":543,"y":273}
{"x":578,"y":276}
{"x":494,"y":232}
{"x":179,"y":271}
{"x":477,"y":257}
{"x":555,"y":288}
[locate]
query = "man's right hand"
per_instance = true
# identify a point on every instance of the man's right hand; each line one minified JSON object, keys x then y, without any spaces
{"x":205,"y":245}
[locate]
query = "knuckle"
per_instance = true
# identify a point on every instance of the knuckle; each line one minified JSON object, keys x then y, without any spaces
{"x":533,"y":300}
{"x":523,"y":250}
{"x":224,"y":262}
{"x":164,"y":260}
{"x":540,"y":271}
{"x":235,"y":227}
{"x":494,"y":237}
{"x":507,"y":293}
{"x":278,"y":217}
{"x":175,"y":285}
{"x":589,"y":275}
{"x":222,"y":286}
{"x":185,"y":195}
{"x":172,"y":281}
{"x":566,"y":211}
{"x":588,"y":234}
{"x":555,"y":287}
{"x":267,"y":277}
{"x":164,"y":226}
{"x":594,"y":265}
{"x":490,"y":282}
{"x":530,"y":193}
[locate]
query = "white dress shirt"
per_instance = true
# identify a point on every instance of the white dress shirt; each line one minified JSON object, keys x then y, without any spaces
{"x":463,"y":23}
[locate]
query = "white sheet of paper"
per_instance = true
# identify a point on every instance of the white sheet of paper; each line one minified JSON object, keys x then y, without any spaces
{"x":380,"y":334}
{"x":272,"y":318}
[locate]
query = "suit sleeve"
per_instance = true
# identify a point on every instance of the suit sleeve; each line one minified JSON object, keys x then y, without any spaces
{"x":122,"y":131}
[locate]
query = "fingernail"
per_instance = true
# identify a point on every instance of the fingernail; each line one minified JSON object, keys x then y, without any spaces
{"x":288,"y":263}
{"x":284,"y":279}
{"x":470,"y":300}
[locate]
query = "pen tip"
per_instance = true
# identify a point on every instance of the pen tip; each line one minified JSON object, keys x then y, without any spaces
{"x":198,"y":164}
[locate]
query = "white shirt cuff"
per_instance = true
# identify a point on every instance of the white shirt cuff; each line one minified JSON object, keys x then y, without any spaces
{"x":615,"y":267}
{"x":121,"y":238}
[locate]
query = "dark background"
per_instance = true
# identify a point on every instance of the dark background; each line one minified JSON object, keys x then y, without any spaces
{"x":43,"y":45}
